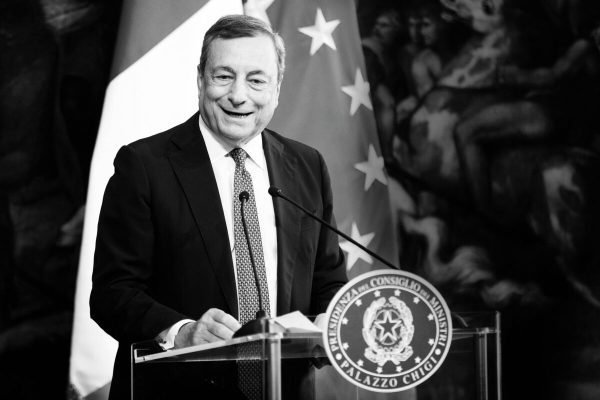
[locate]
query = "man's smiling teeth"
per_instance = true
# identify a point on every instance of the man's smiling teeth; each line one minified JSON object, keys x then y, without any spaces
{"x":236,"y":114}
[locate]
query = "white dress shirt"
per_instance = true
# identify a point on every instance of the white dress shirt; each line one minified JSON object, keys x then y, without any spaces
{"x":223,"y":167}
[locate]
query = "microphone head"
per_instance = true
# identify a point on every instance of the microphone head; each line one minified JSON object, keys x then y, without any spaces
{"x":274,"y":191}
{"x":244,"y":196}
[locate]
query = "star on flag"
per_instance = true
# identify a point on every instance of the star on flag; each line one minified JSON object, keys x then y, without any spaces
{"x":359,"y":92}
{"x":354,"y":253}
{"x":258,"y":9}
{"x":372,"y":168}
{"x":324,"y":79}
{"x":321,"y":32}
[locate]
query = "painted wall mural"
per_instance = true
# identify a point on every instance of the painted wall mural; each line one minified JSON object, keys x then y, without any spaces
{"x":487,"y":113}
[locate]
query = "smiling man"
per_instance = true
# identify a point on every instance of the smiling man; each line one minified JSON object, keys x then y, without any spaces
{"x":172,"y":262}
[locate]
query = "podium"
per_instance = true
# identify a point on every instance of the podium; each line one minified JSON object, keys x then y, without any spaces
{"x":471,"y":369}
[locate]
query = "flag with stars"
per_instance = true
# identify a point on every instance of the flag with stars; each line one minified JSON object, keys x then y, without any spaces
{"x":325,"y":102}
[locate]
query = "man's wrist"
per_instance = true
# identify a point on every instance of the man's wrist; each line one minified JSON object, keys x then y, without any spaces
{"x":166,"y":339}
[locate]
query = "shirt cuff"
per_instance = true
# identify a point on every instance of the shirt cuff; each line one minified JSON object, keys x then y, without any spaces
{"x":166,"y":339}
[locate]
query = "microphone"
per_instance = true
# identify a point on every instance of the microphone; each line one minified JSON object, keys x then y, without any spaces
{"x":276,"y":192}
{"x":244,"y":197}
{"x":261,"y":323}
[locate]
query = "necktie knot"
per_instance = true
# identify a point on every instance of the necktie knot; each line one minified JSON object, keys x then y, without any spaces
{"x":239,"y":156}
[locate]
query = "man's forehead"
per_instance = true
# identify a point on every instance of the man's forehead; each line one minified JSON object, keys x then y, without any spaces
{"x":258,"y":39}
{"x":257,"y":50}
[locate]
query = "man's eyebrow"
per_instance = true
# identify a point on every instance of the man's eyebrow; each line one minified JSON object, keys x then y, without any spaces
{"x":223,"y":67}
{"x":257,"y":72}
{"x":232,"y":71}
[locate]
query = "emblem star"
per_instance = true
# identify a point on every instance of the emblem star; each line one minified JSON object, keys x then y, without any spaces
{"x":387,"y":327}
{"x":359,"y":302}
{"x":430,"y":317}
{"x":320,"y":32}
{"x":430,"y":342}
{"x":417,"y":359}
{"x":360,"y":363}
{"x":354,"y":253}
{"x":344,"y":321}
{"x":416,"y":300}
{"x":345,"y":346}
{"x":396,"y":292}
{"x":379,"y":370}
{"x":372,"y":168}
{"x":398,"y":369}
{"x":377,"y":293}
{"x":359,"y":92}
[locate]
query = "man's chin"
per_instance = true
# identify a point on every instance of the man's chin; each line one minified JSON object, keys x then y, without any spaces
{"x":237,"y":136}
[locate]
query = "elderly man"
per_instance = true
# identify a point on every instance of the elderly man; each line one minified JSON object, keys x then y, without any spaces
{"x":172,"y":260}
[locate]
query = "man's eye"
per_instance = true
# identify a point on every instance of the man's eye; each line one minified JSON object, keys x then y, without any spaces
{"x":222,"y":77}
{"x":257,"y":81}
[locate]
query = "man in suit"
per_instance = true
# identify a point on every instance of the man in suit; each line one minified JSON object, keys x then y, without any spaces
{"x":169,"y":255}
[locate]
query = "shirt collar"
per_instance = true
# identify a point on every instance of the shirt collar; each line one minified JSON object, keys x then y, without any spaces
{"x":218,"y":150}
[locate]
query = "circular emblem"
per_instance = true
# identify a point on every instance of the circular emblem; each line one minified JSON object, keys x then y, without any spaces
{"x":387,"y":330}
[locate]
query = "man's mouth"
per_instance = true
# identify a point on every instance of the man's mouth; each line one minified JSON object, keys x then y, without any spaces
{"x":236,"y":114}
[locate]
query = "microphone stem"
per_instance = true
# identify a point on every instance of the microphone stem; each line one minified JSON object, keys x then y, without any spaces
{"x":342,"y":234}
{"x":251,"y":253}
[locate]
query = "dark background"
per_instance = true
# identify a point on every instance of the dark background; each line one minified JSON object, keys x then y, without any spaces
{"x":55,"y":63}
{"x":495,"y":180}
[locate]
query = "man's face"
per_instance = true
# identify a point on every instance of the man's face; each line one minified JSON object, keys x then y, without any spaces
{"x":386,"y":30}
{"x":238,"y":91}
{"x":429,"y":30}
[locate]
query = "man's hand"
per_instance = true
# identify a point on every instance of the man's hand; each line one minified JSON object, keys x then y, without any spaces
{"x":320,"y":322}
{"x":213,"y":326}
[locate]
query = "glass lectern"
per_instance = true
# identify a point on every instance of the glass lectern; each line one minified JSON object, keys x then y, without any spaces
{"x":471,"y":370}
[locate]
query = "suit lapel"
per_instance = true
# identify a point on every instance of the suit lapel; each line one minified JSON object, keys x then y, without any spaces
{"x":281,"y":166}
{"x":192,"y":166}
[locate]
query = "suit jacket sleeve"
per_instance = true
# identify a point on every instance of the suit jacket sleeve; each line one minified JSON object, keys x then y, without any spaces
{"x":121,"y":301}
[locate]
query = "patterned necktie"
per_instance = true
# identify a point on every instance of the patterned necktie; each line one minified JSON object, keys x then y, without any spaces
{"x":250,"y":373}
{"x":247,"y":290}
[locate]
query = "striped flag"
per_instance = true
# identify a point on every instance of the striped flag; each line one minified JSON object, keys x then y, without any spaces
{"x":153,"y":88}
{"x":325,"y":102}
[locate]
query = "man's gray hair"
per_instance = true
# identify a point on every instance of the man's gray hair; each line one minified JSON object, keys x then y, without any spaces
{"x":240,"y":26}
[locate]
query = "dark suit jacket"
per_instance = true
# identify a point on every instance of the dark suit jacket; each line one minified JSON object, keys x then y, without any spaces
{"x":162,"y":250}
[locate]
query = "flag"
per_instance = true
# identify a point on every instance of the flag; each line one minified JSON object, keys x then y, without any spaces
{"x":325,"y":102}
{"x":153,"y":88}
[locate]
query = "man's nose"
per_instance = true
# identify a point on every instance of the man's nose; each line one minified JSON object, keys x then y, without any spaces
{"x":238,"y":92}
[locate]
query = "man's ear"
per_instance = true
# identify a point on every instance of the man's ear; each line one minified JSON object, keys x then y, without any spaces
{"x":199,"y":77}
{"x":277,"y":94}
